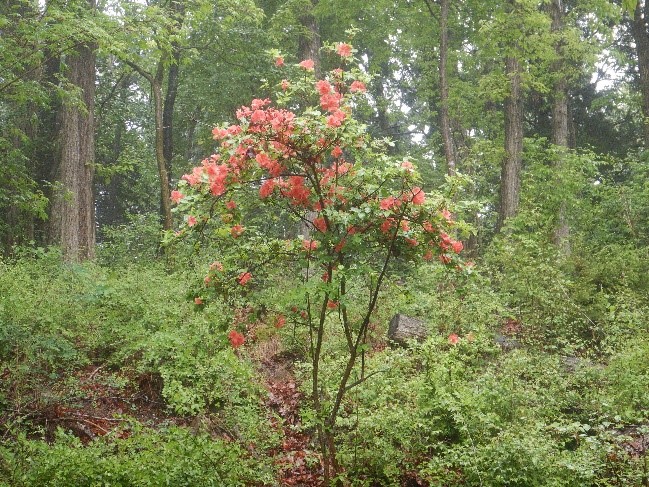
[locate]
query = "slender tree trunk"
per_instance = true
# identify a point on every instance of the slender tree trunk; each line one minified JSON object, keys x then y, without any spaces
{"x":163,"y":176}
{"x":560,"y":133}
{"x":72,"y":220}
{"x":192,"y":123}
{"x":444,"y":119}
{"x":168,"y":116}
{"x":172,"y":90}
{"x":309,"y":45}
{"x":510,"y":176}
{"x":163,"y":107}
{"x":165,"y":190}
{"x":640,"y":33}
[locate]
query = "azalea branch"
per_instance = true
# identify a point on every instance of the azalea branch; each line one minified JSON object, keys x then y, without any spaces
{"x":345,"y":319}
{"x":310,"y":323}
{"x":354,"y":351}
{"x":296,"y":213}
{"x":364,"y":378}
{"x":315,"y":361}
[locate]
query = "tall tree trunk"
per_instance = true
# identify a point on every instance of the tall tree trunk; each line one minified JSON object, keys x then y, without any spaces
{"x":168,"y":115}
{"x":309,"y":42}
{"x":309,"y":45}
{"x":560,"y":134}
{"x":640,"y":33}
{"x":444,"y":119}
{"x":72,"y":220}
{"x":165,"y":190}
{"x":510,"y":176}
{"x":178,"y":7}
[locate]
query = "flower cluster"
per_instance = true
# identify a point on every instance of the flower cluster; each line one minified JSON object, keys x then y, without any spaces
{"x":321,"y":165}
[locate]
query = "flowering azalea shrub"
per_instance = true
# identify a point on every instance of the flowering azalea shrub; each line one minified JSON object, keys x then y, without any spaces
{"x":360,"y":209}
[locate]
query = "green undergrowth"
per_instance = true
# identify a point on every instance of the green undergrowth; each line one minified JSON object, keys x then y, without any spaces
{"x":564,"y":403}
{"x":130,"y":325}
{"x":168,"y":456}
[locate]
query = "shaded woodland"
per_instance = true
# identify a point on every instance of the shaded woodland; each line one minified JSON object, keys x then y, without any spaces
{"x":211,"y":212}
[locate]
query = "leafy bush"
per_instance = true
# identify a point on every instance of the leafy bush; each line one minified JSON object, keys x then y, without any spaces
{"x":170,"y":456}
{"x":500,"y":424}
{"x":130,"y":320}
{"x":138,"y":240}
{"x":627,"y":377}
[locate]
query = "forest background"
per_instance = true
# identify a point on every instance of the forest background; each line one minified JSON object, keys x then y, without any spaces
{"x":528,"y":123}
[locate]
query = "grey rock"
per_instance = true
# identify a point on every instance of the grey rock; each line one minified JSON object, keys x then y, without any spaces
{"x":571,"y":364}
{"x":403,"y":328}
{"x":506,"y":343}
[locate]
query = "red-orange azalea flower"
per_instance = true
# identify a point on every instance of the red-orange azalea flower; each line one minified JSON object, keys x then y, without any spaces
{"x":280,"y":321}
{"x":244,"y":277}
{"x":176,"y":196}
{"x":357,"y":86}
{"x":344,"y":50}
{"x":236,"y":338}
{"x":307,"y":64}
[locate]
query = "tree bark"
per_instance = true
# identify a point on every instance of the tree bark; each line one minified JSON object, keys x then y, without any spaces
{"x":168,"y":114}
{"x":560,"y":133}
{"x":163,"y":176}
{"x":445,"y":123}
{"x":309,"y":44}
{"x":640,"y":33}
{"x":165,"y":190}
{"x":72,"y":219}
{"x":173,"y":78}
{"x":510,"y":176}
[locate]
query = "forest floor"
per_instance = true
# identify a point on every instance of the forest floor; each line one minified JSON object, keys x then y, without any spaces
{"x":298,"y":463}
{"x":95,"y":402}
{"x":101,"y":403}
{"x":104,"y":403}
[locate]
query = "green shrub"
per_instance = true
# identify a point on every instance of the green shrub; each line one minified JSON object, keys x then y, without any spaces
{"x":129,"y":320}
{"x":138,"y":240}
{"x":505,"y":422}
{"x":627,"y":377}
{"x":170,"y":456}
